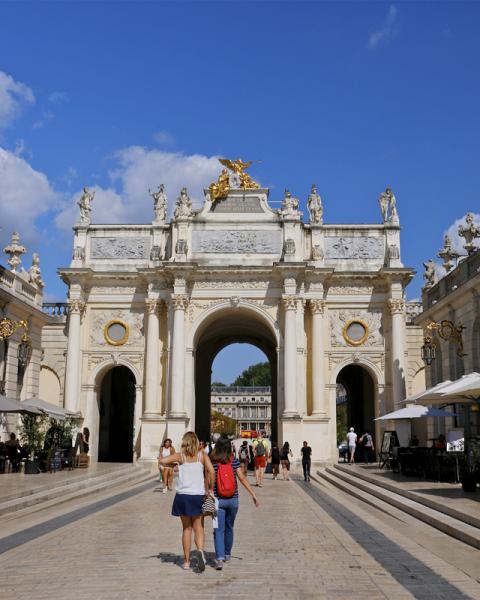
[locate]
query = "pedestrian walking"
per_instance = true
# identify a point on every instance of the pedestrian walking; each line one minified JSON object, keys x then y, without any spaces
{"x":368,"y":449}
{"x":352,"y":444}
{"x":285,"y":455}
{"x":166,"y":472}
{"x":195,"y":479}
{"x":275,"y":458}
{"x":260,"y":450}
{"x":227,"y":474}
{"x":244,"y":456}
{"x":306,"y":460}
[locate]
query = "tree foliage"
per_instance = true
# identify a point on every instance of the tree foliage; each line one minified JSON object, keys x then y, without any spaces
{"x":222,"y":424}
{"x":258,"y":374}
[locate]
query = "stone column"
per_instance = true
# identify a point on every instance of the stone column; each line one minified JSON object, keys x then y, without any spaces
{"x":319,"y":404}
{"x":290,"y":356}
{"x":397,"y":310}
{"x":152,"y":357}
{"x":180,"y":303}
{"x":73,"y":367}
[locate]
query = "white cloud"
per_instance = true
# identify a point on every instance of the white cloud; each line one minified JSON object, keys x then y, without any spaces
{"x":58,"y":97}
{"x":136,"y":170}
{"x":387,"y":29}
{"x":164,"y":138}
{"x":25,"y":195}
{"x":452,"y":231}
{"x":13,"y":95}
{"x":47,"y":115}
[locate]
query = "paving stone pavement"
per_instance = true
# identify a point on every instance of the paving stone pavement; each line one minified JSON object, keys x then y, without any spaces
{"x":301,"y":543}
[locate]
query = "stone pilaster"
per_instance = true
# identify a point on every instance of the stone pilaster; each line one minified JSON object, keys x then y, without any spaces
{"x":319,"y":399}
{"x":177,"y":404}
{"x":290,"y":356}
{"x":397,"y":311}
{"x":73,"y":368}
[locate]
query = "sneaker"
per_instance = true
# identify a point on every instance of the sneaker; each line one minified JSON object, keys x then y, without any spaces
{"x":219,"y":564}
{"x":164,"y":491}
{"x":228,"y":558}
{"x":201,"y":561}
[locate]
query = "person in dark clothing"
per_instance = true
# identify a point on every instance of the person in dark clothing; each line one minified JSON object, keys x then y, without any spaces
{"x":275,"y":460}
{"x":306,"y":460}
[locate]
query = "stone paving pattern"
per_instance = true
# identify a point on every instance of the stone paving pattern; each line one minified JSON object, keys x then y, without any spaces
{"x":303,"y":542}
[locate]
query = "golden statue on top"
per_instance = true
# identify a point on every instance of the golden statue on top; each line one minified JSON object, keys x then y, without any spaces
{"x":235,"y":179}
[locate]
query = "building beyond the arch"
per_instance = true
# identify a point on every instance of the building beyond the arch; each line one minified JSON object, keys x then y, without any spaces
{"x":161,"y":299}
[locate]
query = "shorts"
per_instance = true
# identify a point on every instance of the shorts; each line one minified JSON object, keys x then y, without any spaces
{"x":286,"y":463}
{"x":260,"y":462}
{"x":352,"y":448}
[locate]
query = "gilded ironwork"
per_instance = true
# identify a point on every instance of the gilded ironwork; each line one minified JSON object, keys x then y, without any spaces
{"x":8,"y":327}
{"x":447,"y":330}
{"x":112,"y":341}
{"x":237,"y":178}
{"x":350,"y":340}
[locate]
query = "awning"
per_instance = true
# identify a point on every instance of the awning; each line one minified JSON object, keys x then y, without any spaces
{"x":9,"y":405}
{"x":426,"y":393}
{"x":53,"y":411}
{"x":415,"y":412}
{"x":465,"y":390}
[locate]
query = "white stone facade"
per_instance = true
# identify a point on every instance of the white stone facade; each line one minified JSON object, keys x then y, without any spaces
{"x":236,"y":271}
{"x":249,"y":406}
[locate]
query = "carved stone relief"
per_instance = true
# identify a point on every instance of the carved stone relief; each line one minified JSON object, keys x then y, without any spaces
{"x":237,"y":242}
{"x":229,"y":285}
{"x":130,"y":248}
{"x":338,"y":319}
{"x":361,"y":248}
{"x":99,"y":319}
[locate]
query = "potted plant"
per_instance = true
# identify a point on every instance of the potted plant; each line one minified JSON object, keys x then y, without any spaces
{"x":32,"y":434}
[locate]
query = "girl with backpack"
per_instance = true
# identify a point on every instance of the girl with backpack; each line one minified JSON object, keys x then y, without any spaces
{"x":195,"y":478}
{"x":227,"y":474}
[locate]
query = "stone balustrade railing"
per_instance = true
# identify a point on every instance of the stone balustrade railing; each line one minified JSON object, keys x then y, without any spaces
{"x":55,"y":309}
{"x":237,"y":389}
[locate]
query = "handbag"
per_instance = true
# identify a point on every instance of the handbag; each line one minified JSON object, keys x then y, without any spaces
{"x":208,"y":507}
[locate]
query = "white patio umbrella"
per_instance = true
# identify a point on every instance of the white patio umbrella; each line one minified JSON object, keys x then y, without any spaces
{"x":415,"y":412}
{"x":53,"y":411}
{"x":427,"y":393}
{"x":9,"y":405}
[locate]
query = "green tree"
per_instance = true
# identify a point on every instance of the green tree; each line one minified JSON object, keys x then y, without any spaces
{"x":258,"y":374}
{"x":219,"y":384}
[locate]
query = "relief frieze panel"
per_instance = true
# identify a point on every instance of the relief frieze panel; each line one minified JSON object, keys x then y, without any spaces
{"x":99,"y":318}
{"x":361,"y":248}
{"x":373,"y":320}
{"x":129,"y":248}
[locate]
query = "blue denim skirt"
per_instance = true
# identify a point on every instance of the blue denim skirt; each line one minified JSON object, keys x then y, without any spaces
{"x":186,"y":505}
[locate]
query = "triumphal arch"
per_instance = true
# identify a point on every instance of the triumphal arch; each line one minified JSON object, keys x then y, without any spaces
{"x":150,"y":306}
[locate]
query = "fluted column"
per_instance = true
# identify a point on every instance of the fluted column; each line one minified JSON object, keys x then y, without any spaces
{"x":73,"y":367}
{"x":180,"y":303}
{"x":319,"y":399}
{"x":290,"y":356}
{"x":397,"y":310}
{"x":152,"y":357}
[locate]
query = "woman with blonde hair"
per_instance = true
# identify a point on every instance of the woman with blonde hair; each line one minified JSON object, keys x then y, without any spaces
{"x":195,"y":479}
{"x":166,"y":450}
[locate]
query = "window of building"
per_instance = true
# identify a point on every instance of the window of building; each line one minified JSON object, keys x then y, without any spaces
{"x":263,"y":411}
{"x":262,"y":426}
{"x":244,"y":426}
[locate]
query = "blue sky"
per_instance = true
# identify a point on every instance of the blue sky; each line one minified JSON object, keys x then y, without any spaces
{"x":123,"y":95}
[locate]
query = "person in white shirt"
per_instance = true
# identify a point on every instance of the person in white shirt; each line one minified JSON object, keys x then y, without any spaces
{"x":352,"y":443}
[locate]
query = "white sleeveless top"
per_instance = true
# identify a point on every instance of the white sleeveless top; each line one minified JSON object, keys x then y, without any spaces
{"x":165,"y":453}
{"x":191,"y":479}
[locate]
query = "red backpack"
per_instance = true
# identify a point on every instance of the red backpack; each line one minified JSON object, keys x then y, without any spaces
{"x":225,"y":480}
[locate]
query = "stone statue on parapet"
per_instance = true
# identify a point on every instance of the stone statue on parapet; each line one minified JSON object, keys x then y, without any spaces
{"x":430,"y":275}
{"x":233,"y":177}
{"x":159,"y":203}
{"x":85,"y":204}
{"x":388,"y":206}
{"x":315,"y":207}
{"x":183,"y":206}
{"x":469,"y":233}
{"x":447,"y":254}
{"x":15,"y":251}
{"x":34,"y":272}
{"x":289,"y":205}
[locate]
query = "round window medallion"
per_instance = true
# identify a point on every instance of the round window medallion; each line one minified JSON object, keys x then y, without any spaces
{"x":116,"y":332}
{"x":355,"y":332}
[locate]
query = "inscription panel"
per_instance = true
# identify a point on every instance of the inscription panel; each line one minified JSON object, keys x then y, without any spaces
{"x":131,"y":248}
{"x":236,"y":204}
{"x":344,"y":248}
{"x":237,"y":242}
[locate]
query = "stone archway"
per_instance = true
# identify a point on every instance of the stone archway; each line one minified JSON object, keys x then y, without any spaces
{"x":117,"y":412}
{"x":225,"y":327}
{"x":361,"y":394}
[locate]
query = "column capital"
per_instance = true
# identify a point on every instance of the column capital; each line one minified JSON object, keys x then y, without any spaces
{"x":179,"y":301}
{"x":289,"y":302}
{"x":396,"y":306}
{"x":317,"y":306}
{"x":76,"y":306}
{"x":154,"y":306}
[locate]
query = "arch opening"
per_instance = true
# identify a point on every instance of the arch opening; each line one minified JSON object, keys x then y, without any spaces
{"x":355,"y":401}
{"x":232,"y":327}
{"x":116,"y":408}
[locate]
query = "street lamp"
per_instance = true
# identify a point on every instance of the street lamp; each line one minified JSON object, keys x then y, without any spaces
{"x":428,"y":350}
{"x":24,"y":351}
{"x":447,"y":330}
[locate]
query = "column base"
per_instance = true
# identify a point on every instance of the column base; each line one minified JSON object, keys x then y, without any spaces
{"x":153,"y":417}
{"x":318,"y":417}
{"x":290,"y":416}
